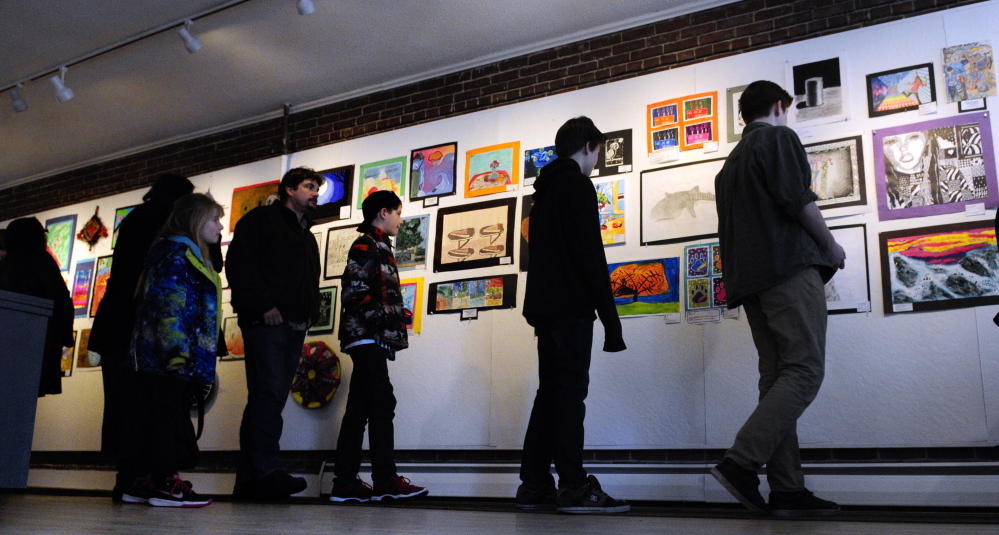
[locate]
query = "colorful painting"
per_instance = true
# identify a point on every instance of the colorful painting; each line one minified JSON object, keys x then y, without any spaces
{"x":492,"y":169}
{"x":900,"y":90}
{"x":83,"y":357}
{"x":941,"y":267}
{"x":611,"y":207}
{"x":664,"y":113}
{"x":819,"y":95}
{"x":735,"y":121}
{"x":535,"y":159}
{"x":247,"y":198}
{"x":665,"y":138}
{"x":233,"y":337}
{"x":526,"y":203}
{"x":66,"y":364}
{"x":704,"y":287}
{"x":334,"y":199}
{"x":646,"y":287}
{"x":327,"y":311}
{"x":483,"y":293}
{"x":387,"y":175}
{"x":101,"y":276}
{"x":338,"y":242}
{"x":119,"y":216}
{"x":849,"y":291}
{"x":412,"y":303}
{"x":838,"y":173}
{"x":432,"y":171}
{"x":677,"y":203}
{"x":61,"y":232}
{"x":935,"y":167}
{"x":969,"y":71}
{"x":82,"y":278}
{"x":616,"y":156}
{"x":411,"y":243}
{"x":475,"y":235}
{"x":696,"y":124}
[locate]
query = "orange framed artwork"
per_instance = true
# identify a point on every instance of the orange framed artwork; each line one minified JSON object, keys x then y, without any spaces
{"x":688,"y":122}
{"x":492,"y":169}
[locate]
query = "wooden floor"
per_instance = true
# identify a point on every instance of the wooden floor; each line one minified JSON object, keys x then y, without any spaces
{"x":27,"y":513}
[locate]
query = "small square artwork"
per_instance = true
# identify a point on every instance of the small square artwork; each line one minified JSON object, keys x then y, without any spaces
{"x":646,"y":287}
{"x":969,"y":72}
{"x":119,"y":216}
{"x":483,"y":293}
{"x":432,"y":171}
{"x":411,"y":243}
{"x":819,"y":95}
{"x":233,"y":339}
{"x":688,"y":122}
{"x":327,"y":311}
{"x":535,"y":159}
{"x":247,"y":198}
{"x":475,"y":235}
{"x":611,"y":207}
{"x":83,"y":356}
{"x":900,"y":90}
{"x":492,"y":169}
{"x":66,"y":364}
{"x":838,"y":173}
{"x":703,"y":283}
{"x":412,"y":303}
{"x":735,"y":121}
{"x":338,"y":242}
{"x":82,"y":278}
{"x":382,"y":175}
{"x":333,"y":203}
{"x":61,"y":231}
{"x":616,"y":156}
{"x":101,"y":275}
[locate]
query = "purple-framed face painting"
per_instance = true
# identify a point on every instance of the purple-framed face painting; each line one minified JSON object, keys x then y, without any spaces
{"x":935,"y":167}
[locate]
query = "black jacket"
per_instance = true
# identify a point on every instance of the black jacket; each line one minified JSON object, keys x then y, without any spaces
{"x":273,"y":261}
{"x":567,"y":273}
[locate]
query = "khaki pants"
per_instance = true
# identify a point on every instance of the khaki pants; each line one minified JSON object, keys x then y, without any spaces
{"x":788,"y":322}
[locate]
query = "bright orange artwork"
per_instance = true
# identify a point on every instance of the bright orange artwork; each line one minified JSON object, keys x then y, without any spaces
{"x":249,"y":197}
{"x":492,"y":169}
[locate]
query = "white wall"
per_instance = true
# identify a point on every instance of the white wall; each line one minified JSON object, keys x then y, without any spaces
{"x":918,"y":379}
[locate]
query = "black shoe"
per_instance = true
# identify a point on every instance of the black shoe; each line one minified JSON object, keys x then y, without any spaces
{"x":535,"y":498}
{"x":279,"y":485}
{"x":589,"y":499}
{"x":244,"y":491}
{"x":742,"y":483}
{"x":802,"y":503}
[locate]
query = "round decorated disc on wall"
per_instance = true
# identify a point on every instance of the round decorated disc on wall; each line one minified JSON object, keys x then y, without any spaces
{"x":318,"y":376}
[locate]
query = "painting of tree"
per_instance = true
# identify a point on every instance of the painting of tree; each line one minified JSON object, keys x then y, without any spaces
{"x":646,"y":287}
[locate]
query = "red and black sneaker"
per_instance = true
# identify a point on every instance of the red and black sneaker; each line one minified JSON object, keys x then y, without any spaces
{"x":397,"y":488}
{"x":175,"y":492}
{"x":356,"y":491}
{"x":139,"y":491}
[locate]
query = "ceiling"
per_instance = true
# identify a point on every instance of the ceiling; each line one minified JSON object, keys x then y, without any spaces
{"x":257,"y":55}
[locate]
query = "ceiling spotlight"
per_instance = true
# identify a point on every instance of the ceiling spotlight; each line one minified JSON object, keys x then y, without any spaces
{"x":191,"y":43}
{"x":62,"y":93}
{"x":305,"y":7}
{"x":15,"y":98}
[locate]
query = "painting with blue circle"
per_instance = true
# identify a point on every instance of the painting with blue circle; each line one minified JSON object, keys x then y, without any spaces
{"x":335,"y":194}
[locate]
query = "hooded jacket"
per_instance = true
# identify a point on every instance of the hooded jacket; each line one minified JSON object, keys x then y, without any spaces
{"x":372,"y":300}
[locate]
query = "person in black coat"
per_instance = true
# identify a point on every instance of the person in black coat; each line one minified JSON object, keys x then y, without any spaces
{"x":28,"y":268}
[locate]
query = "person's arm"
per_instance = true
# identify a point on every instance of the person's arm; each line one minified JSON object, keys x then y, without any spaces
{"x":361,"y":281}
{"x":813,"y":222}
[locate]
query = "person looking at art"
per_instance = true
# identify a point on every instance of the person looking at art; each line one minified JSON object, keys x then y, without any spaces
{"x":28,"y":268}
{"x":273,"y":271}
{"x":567,"y":279}
{"x":173,"y":349}
{"x":778,"y":254}
{"x":372,"y":331}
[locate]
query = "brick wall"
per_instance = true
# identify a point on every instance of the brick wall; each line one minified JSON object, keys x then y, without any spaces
{"x":684,"y":40}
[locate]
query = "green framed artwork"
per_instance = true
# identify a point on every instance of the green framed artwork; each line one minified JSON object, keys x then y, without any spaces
{"x":61,"y":232}
{"x":119,"y":216}
{"x":382,"y":175}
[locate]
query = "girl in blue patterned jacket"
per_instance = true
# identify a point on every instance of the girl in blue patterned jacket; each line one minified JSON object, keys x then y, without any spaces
{"x":173,"y":349}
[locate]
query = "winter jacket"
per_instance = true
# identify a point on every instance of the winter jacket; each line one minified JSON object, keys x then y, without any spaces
{"x":371,"y":298}
{"x":177,"y":321}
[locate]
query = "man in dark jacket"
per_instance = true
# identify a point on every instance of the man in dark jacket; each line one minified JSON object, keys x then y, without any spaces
{"x":273,"y":270}
{"x":567,"y":280}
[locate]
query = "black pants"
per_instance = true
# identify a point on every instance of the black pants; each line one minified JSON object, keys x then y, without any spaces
{"x":370,"y":401}
{"x":555,"y":430}
{"x":164,"y":441}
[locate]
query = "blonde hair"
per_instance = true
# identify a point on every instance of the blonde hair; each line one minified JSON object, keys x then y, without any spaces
{"x":190,"y":214}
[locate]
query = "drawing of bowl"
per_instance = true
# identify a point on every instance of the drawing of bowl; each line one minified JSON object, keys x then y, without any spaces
{"x":461,"y":254}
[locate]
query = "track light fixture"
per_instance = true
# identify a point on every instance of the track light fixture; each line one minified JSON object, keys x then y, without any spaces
{"x":16,"y":100}
{"x":191,"y":43}
{"x":62,"y":93}
{"x":306,"y":7}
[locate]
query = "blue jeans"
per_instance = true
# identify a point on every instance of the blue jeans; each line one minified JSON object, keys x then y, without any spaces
{"x":272,"y":356}
{"x":555,"y":430}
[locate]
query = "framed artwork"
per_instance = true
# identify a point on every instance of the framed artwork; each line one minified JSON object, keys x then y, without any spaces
{"x":335,"y":194}
{"x":247,"y":198}
{"x":703,"y":285}
{"x":611,"y":207}
{"x":83,"y":353}
{"x":119,"y":216}
{"x":616,"y":156}
{"x":338,"y":242}
{"x":101,"y":275}
{"x":838,"y":172}
{"x":66,"y":364}
{"x":327,"y":311}
{"x":61,"y":233}
{"x":820,"y":97}
{"x":735,"y":122}
{"x":492,"y":169}
{"x":482,"y":293}
{"x":935,"y":167}
{"x":665,"y":138}
{"x":677,"y":203}
{"x":969,"y":72}
{"x":382,"y":175}
{"x":82,"y":278}
{"x":526,"y":203}
{"x":535,"y":159}
{"x":432,"y":171}
{"x":475,"y":235}
{"x":233,"y":339}
{"x":849,"y":291}
{"x":412,"y":302}
{"x":940,"y":267}
{"x":687,"y":123}
{"x":411,"y":243}
{"x":646,"y":287}
{"x":900,"y":90}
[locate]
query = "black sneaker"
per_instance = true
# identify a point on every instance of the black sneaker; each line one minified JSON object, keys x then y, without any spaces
{"x":138,"y":492}
{"x":356,"y":491}
{"x":802,"y":503}
{"x":175,"y":492}
{"x":397,"y":488}
{"x":589,"y":499}
{"x":531,"y":498}
{"x":742,"y":483}
{"x":244,"y":491}
{"x":279,"y":485}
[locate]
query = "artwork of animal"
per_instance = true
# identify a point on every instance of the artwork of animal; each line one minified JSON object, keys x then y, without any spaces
{"x":673,"y":204}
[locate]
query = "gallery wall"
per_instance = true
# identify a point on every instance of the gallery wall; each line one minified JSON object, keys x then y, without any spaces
{"x":893,"y":380}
